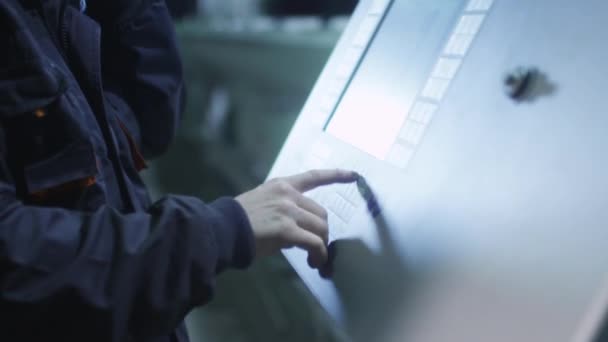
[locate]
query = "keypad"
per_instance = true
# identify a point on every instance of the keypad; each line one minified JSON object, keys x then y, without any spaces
{"x":342,"y":201}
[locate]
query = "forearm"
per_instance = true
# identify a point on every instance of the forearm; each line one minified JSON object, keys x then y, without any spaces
{"x":148,"y":269}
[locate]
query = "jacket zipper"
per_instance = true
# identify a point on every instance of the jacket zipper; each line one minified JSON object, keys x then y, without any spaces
{"x":65,"y":39}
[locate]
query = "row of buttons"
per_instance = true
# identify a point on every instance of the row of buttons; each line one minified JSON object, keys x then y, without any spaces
{"x":340,"y":212}
{"x":342,"y":201}
{"x":433,"y":92}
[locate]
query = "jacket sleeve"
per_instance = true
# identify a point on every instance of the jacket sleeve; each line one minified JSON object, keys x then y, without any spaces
{"x":105,"y":272}
{"x":141,"y":63}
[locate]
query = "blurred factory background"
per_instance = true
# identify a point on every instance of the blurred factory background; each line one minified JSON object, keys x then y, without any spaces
{"x":249,"y":66}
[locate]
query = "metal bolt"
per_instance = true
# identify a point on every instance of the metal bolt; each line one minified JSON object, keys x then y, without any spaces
{"x":517,"y":82}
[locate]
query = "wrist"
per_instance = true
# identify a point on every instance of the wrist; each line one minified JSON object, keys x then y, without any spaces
{"x":234,"y":237}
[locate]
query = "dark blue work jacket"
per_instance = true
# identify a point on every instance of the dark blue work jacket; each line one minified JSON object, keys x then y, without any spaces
{"x":84,"y":254}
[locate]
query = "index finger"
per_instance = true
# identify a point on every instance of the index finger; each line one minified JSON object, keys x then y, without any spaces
{"x":314,"y":178}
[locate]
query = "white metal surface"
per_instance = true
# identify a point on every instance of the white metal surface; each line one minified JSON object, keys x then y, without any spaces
{"x":493,"y":224}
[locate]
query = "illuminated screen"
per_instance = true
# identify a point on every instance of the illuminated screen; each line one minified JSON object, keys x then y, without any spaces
{"x":375,"y":103}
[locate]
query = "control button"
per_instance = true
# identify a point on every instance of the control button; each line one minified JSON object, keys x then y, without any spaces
{"x":480,"y":5}
{"x":469,"y":24}
{"x":366,"y":31}
{"x":349,"y":192}
{"x":339,"y":206}
{"x":423,"y":112}
{"x":435,"y":89}
{"x":327,"y":103}
{"x":344,"y":209}
{"x":458,"y":45}
{"x":516,"y":83}
{"x":412,"y":132}
{"x":446,"y":68}
{"x":336,"y":226}
{"x":400,"y":156}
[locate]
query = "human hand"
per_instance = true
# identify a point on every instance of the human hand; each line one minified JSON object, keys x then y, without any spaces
{"x":282,"y":217}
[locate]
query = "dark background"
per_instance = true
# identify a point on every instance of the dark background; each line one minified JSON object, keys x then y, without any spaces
{"x":279,"y":8}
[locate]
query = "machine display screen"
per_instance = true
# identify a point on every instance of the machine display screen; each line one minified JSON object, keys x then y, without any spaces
{"x":369,"y":120}
{"x":377,"y":100}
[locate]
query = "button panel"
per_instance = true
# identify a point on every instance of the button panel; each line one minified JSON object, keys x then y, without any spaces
{"x":342,"y":201}
{"x":438,"y":83}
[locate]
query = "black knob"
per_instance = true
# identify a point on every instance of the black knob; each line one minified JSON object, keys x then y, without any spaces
{"x":517,"y":83}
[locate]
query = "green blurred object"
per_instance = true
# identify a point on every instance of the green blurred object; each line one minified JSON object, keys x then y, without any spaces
{"x":265,"y":77}
{"x":245,"y":90}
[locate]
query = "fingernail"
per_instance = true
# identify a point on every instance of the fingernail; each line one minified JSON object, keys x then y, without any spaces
{"x":327,"y":270}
